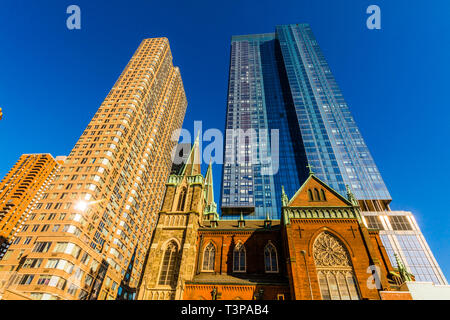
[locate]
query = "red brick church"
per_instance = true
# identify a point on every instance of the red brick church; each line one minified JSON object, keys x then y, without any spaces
{"x":319,"y":250}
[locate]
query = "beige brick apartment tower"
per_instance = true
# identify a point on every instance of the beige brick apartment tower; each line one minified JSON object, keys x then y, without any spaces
{"x":91,"y":231}
{"x":20,"y":189}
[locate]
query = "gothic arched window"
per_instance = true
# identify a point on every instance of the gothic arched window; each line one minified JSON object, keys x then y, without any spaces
{"x":209,"y":256}
{"x":334,"y":269}
{"x":182,"y":199}
{"x":168,"y":274}
{"x":270,"y":258}
{"x":322,"y":195}
{"x":239,"y":263}
{"x":310,"y":195}
{"x":316,"y":195}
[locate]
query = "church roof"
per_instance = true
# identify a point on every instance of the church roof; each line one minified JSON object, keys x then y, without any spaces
{"x":315,"y":200}
{"x":238,"y":279}
{"x":332,"y":198}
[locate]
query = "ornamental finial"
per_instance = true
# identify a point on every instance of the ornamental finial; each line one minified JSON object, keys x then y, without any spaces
{"x":284,"y":197}
{"x":351,"y":196}
{"x":404,"y":274}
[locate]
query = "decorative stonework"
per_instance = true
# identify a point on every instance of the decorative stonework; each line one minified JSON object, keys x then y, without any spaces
{"x":329,"y":252}
{"x":326,"y":213}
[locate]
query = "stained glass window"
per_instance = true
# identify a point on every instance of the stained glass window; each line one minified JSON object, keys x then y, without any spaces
{"x":169,"y":263}
{"x":208,"y":257}
{"x":239,"y":263}
{"x":335,"y":272}
{"x":270,"y":258}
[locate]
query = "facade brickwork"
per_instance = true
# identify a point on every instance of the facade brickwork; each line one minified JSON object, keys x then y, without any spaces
{"x":320,"y":249}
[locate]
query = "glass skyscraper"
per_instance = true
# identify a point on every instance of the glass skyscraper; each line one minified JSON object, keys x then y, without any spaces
{"x":282,"y":81}
{"x":401,"y":234}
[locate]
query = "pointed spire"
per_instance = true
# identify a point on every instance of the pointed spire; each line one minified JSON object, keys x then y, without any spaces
{"x":404,"y":274}
{"x":210,"y":206}
{"x":284,"y":197}
{"x":397,"y":260}
{"x":192,"y":166}
{"x":267,"y":222}
{"x":351,"y":196}
{"x":241,"y":222}
{"x":209,"y":187}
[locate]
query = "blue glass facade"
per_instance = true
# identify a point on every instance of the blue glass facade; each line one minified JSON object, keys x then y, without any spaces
{"x":333,"y":144}
{"x":282,"y":81}
{"x":243,"y":184}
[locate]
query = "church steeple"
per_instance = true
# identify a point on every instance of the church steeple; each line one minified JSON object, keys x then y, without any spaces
{"x":211,"y":206}
{"x":193,"y":162}
{"x":209,"y":188}
{"x":189,"y":200}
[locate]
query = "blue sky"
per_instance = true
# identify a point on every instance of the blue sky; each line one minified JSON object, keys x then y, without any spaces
{"x":395,"y":80}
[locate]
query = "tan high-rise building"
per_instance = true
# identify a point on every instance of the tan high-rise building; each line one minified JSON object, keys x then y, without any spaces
{"x":90,"y":235}
{"x":20,"y":190}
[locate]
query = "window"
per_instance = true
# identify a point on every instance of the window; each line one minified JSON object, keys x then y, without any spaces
{"x":270,"y":258}
{"x":168,"y":274}
{"x":56,"y":281}
{"x":88,"y":280}
{"x":316,"y":195}
{"x":78,"y":273}
{"x":69,"y":248}
{"x":322,"y":195}
{"x":182,"y":200}
{"x":373,"y":222}
{"x":72,"y":289}
{"x":239,"y":263}
{"x":65,"y":265}
{"x":209,"y":257}
{"x":310,"y":195}
{"x":83,"y":295}
{"x":85,"y":258}
{"x":400,"y":223}
{"x":26,"y":279}
{"x":41,"y":246}
{"x":51,"y":263}
{"x":32,"y":263}
{"x":334,"y":269}
{"x":44,"y":280}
